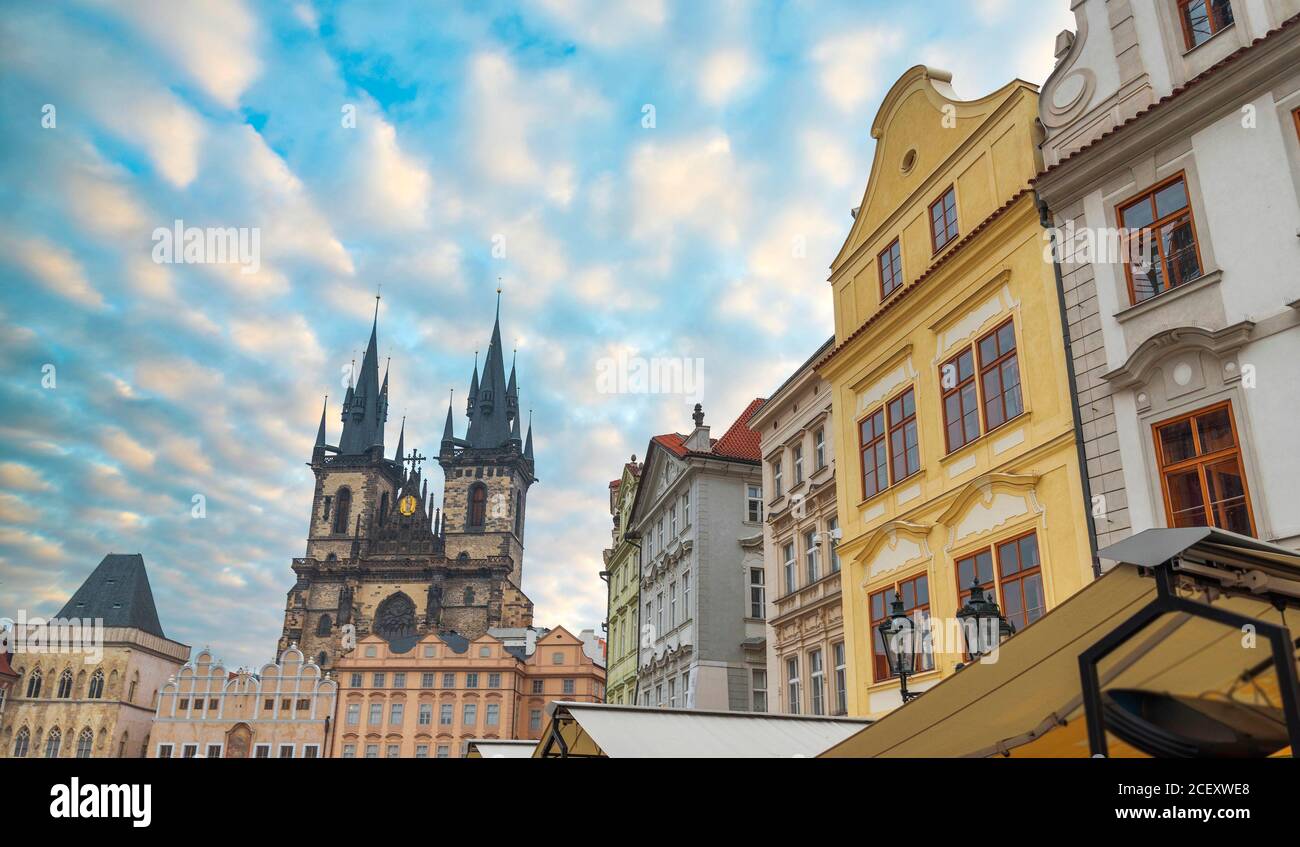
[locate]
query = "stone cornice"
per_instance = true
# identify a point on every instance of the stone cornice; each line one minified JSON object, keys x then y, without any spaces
{"x":1137,"y":370}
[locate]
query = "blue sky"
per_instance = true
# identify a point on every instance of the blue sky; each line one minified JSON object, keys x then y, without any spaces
{"x":515,"y":126}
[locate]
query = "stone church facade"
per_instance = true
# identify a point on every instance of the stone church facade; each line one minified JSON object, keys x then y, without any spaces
{"x":380,"y":557}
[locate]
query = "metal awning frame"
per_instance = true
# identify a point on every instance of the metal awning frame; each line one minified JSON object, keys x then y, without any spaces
{"x":1168,"y":601}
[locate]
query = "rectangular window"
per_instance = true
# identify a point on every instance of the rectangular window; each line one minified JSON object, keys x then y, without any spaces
{"x":471,"y":680}
{"x":961,"y":411}
{"x":875,"y":454}
{"x":311,"y":751}
{"x":534,"y":720}
{"x":372,"y":751}
{"x":891,"y":269}
{"x":660,"y":530}
{"x":1011,"y":573}
{"x":686,"y":595}
{"x":672,"y":605}
{"x":444,"y":751}
{"x":395,"y":714}
{"x":356,"y":680}
{"x":757,"y":594}
{"x":494,"y":680}
{"x":538,"y":686}
{"x":790,"y":568}
{"x":469,"y":714}
{"x":686,"y":508}
{"x":904,"y":449}
{"x":399,"y":680}
{"x":672,"y":693}
{"x":778,"y":486}
{"x":1000,"y":376}
{"x":349,"y":751}
{"x":672,"y":521}
{"x":841,"y":680}
{"x":449,"y":680}
{"x":379,"y":680}
{"x":493,"y":714}
{"x":394,"y":751}
{"x":754,"y":503}
{"x":354,"y":714}
{"x":426,"y":680}
{"x":832,"y":529}
{"x":792,"y":685}
{"x":1203,"y":19}
{"x":819,"y":447}
{"x":943,"y":219}
{"x":812,"y":557}
{"x":1201,"y":471}
{"x":1160,"y":240}
{"x":759,"y":687}
{"x":262,"y":751}
{"x":164,"y":751}
{"x":569,"y":686}
{"x":798,"y":464}
{"x":425,"y":714}
{"x":376,"y":714}
{"x":444,"y":714}
{"x":915,"y":594}
{"x":422,"y":751}
{"x":816,"y":683}
{"x":659,"y":611}
{"x":286,"y":751}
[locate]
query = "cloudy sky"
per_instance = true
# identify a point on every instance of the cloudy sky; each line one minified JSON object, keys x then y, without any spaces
{"x":648,"y":178}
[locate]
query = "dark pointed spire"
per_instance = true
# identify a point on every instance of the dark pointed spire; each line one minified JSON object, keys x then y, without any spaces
{"x":363,"y":410}
{"x":401,"y":442}
{"x":528,"y":443}
{"x":473,"y":389}
{"x":320,"y":433}
{"x":512,"y":394}
{"x":448,"y":431}
{"x":490,"y":427}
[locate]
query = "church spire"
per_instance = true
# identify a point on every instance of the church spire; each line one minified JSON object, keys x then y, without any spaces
{"x":490,"y":425}
{"x":401,"y":442}
{"x":448,"y":431}
{"x":528,"y":443}
{"x":364,"y":410}
{"x":320,"y":433}
{"x":473,"y":389}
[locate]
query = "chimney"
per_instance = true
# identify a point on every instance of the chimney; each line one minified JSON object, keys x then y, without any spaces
{"x":698,"y":441}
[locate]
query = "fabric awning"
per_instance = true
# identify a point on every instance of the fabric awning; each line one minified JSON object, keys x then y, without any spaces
{"x":598,"y":729}
{"x":1030,"y":701}
{"x":501,"y":749}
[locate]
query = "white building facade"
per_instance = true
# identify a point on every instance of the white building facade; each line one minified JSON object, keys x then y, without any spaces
{"x":1173,"y":184}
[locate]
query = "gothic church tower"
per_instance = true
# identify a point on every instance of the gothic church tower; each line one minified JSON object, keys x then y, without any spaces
{"x":489,"y":471}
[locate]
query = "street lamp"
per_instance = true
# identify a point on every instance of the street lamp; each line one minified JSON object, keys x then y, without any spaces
{"x":978,"y":616}
{"x":898,"y":633}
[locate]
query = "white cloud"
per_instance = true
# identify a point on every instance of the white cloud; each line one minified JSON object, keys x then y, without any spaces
{"x":607,"y":23}
{"x":54,"y":267}
{"x":694,"y":182}
{"x":725,"y":73}
{"x":213,"y":42}
{"x":848,"y":64}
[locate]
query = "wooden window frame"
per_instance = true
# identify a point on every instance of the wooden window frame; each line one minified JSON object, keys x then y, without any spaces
{"x":1200,"y":460}
{"x":887,"y":436}
{"x":881,"y":436}
{"x":934,"y":235}
{"x":892,"y":426}
{"x":896,"y":587}
{"x":944,"y":394}
{"x":1149,"y":194}
{"x":995,"y":558}
{"x":1189,"y":43}
{"x":895,"y":274}
{"x":981,"y":368}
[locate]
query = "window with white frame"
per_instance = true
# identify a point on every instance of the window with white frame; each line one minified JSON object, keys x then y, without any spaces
{"x":819,"y":447}
{"x":396,"y":713}
{"x":372,"y":751}
{"x":672,"y":520}
{"x":286,"y":751}
{"x":816,"y":683}
{"x":832,"y":529}
{"x":754,"y":503}
{"x":469,"y":714}
{"x":793,"y":685}
{"x":841,"y":680}
{"x":659,"y":611}
{"x":349,"y":751}
{"x":354,"y":714}
{"x":672,"y":605}
{"x":493,"y":714}
{"x":790,"y":567}
{"x":686,"y":595}
{"x":798,"y":463}
{"x":311,"y":751}
{"x":165,"y":751}
{"x":422,"y":751}
{"x":778,"y":484}
{"x":757,"y":594}
{"x":445,"y":714}
{"x":686,"y":507}
{"x":262,"y":751}
{"x":812,"y":556}
{"x":758,"y":686}
{"x":425,"y":714}
{"x":376,"y":714}
{"x":214,"y":751}
{"x":672,"y":692}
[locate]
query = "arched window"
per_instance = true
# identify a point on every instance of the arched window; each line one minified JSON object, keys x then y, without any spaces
{"x":21,"y":743}
{"x":85,"y":743}
{"x":342,"y":510}
{"x":52,"y":743}
{"x":34,"y":684}
{"x":323,"y":627}
{"x":135,"y":681}
{"x":96,"y":690}
{"x":65,"y":685}
{"x":121,"y":746}
{"x":383,"y":507}
{"x":477,"y":506}
{"x":519,"y":513}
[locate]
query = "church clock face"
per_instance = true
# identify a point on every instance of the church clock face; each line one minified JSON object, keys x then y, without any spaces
{"x":407,"y":505}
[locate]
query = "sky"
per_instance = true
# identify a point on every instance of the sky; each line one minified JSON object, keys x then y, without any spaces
{"x":648,"y":182}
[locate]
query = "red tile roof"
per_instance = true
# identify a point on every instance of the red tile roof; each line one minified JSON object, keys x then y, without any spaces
{"x":739,"y":441}
{"x":1182,"y":89}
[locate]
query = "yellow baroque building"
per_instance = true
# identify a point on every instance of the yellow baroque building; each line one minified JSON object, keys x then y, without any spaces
{"x":952,"y":400}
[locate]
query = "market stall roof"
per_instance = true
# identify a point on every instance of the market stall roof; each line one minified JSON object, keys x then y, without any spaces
{"x":1029,"y":701}
{"x":501,"y":748}
{"x":600,"y":729}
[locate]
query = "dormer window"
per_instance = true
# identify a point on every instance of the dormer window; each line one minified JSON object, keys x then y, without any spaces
{"x":1203,"y":19}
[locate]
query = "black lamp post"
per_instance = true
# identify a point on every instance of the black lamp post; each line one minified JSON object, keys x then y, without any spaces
{"x":978,"y":615}
{"x":898,"y":632}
